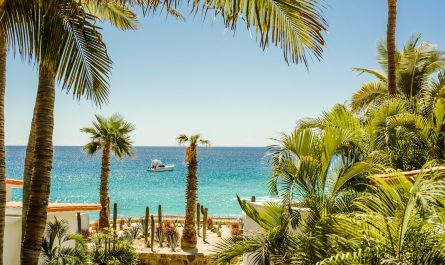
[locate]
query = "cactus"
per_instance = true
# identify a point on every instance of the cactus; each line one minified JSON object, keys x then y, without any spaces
{"x":152,"y":234}
{"x":160,"y":235}
{"x":198,"y":217}
{"x":147,"y":216}
{"x":160,"y":216}
{"x":171,"y":234}
{"x":79,"y":224}
{"x":218,"y":229}
{"x":204,"y":225}
{"x":173,"y":242}
{"x":114,"y":216}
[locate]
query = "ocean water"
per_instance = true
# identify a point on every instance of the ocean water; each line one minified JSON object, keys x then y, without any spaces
{"x":223,"y":172}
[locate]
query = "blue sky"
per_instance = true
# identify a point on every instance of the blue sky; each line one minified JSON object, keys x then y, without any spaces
{"x":172,"y":77}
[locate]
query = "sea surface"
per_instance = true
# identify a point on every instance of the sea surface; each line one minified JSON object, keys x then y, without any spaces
{"x":223,"y":172}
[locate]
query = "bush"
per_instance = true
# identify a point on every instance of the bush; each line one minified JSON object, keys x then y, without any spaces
{"x":209,"y":222}
{"x":172,"y":235}
{"x":55,"y":247}
{"x":108,"y":251}
{"x":235,"y":229}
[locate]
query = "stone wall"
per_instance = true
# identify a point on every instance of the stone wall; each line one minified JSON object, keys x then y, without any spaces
{"x":149,"y":258}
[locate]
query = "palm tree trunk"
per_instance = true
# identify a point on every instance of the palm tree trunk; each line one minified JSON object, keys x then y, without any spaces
{"x":189,"y":238}
{"x":391,"y":46}
{"x":36,"y":215}
{"x":28,"y":167}
{"x":104,"y":217}
{"x":3,"y":46}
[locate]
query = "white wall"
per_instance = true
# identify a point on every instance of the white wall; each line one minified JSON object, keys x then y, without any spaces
{"x":11,"y":244}
{"x":13,"y":225}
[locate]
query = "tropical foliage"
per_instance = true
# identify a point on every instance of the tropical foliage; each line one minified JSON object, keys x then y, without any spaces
{"x":408,"y":128}
{"x":109,"y":249}
{"x":343,"y":200}
{"x":60,"y":248}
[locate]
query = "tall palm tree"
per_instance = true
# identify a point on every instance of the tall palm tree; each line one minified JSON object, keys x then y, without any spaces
{"x":15,"y":24}
{"x":391,"y":46}
{"x":112,"y":136}
{"x":79,"y":60}
{"x":189,"y":238}
{"x":120,"y":17}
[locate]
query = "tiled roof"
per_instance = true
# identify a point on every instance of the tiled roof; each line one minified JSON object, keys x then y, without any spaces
{"x":14,"y":182}
{"x":62,"y":207}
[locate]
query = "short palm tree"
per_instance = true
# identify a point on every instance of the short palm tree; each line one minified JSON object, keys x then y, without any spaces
{"x":189,"y":238}
{"x":55,"y":250}
{"x":112,"y":136}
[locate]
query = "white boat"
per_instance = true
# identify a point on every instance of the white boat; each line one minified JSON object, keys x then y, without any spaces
{"x":157,"y":166}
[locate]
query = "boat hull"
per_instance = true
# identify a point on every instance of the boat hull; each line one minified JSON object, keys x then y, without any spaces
{"x":160,"y":169}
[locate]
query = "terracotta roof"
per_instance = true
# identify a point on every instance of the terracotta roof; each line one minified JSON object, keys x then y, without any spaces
{"x":62,"y":207}
{"x":412,"y":173}
{"x":14,"y":182}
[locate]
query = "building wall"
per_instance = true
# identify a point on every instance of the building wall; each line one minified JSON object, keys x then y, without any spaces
{"x":11,"y":244}
{"x":13,"y":225}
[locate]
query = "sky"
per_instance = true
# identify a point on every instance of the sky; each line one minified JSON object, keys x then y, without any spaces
{"x":172,"y":77}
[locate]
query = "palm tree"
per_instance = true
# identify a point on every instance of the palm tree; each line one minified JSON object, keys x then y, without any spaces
{"x":322,"y":164}
{"x":189,"y":238}
{"x":15,"y":24}
{"x":407,"y":128}
{"x":120,"y":17}
{"x":54,"y":248}
{"x":111,"y":135}
{"x":69,"y":48}
{"x":416,"y":65}
{"x":391,"y":47}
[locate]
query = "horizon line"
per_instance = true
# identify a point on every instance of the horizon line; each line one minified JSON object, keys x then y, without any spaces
{"x":228,"y":146}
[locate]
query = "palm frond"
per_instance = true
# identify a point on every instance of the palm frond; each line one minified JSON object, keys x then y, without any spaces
{"x":79,"y":57}
{"x":118,"y":15}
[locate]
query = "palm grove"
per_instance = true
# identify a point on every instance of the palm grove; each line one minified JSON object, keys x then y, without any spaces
{"x":62,"y":38}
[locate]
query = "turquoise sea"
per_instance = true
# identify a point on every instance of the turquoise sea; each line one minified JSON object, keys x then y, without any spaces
{"x":223,"y":172}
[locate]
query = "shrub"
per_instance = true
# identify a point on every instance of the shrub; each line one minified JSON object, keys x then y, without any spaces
{"x":235,"y":229}
{"x":172,"y":235}
{"x":209,"y":223}
{"x":121,"y":224}
{"x":54,"y":247}
{"x":108,"y":251}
